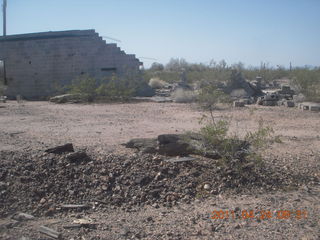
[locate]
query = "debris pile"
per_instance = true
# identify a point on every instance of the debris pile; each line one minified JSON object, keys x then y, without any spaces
{"x":309,"y":106}
{"x":46,"y":183}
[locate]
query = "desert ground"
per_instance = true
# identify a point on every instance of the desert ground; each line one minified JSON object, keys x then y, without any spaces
{"x":27,"y":129}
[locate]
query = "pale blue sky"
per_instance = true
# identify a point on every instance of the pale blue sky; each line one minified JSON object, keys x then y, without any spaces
{"x":251,"y":31}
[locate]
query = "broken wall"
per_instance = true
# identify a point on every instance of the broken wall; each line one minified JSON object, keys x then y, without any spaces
{"x":37,"y":64}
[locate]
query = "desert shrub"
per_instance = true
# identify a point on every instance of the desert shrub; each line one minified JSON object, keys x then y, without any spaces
{"x":215,"y":134}
{"x":260,"y":138}
{"x":231,"y":147}
{"x":115,"y":88}
{"x":210,"y":96}
{"x":85,"y":86}
{"x":110,"y":88}
{"x":307,"y":82}
{"x":156,"y":83}
{"x":183,"y":96}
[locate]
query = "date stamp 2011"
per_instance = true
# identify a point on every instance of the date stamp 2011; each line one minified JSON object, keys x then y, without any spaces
{"x":261,"y":214}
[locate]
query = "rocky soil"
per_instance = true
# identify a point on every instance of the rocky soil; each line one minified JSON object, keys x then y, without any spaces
{"x":126,"y":194}
{"x":39,"y":183}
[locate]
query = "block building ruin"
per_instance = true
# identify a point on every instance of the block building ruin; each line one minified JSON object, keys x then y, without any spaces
{"x":34,"y":65}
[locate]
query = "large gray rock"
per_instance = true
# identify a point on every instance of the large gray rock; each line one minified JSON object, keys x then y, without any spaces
{"x":71,"y":98}
{"x":179,"y":144}
{"x":78,"y":157}
{"x":173,"y":145}
{"x":146,"y":145}
{"x":68,"y":147}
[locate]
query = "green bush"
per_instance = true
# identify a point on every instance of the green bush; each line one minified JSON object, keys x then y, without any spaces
{"x":215,"y":134}
{"x":307,"y":81}
{"x":210,"y":96}
{"x":111,"y":88}
{"x":85,"y":86}
{"x":116,"y":89}
{"x":229,"y":148}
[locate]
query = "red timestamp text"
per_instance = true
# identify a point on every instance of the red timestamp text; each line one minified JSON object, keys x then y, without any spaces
{"x":260,"y":214}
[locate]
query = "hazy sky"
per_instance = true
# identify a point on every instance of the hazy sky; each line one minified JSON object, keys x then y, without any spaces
{"x":251,"y":31}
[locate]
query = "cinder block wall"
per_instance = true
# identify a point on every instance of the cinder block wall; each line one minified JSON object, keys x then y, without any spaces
{"x":36,"y":64}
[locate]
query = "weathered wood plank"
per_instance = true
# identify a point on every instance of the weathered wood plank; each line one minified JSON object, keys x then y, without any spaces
{"x":50,"y":232}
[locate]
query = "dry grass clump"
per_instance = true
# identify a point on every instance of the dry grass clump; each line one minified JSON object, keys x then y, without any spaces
{"x":157,"y":83}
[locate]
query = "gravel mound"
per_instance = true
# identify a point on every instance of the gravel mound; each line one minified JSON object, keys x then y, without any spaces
{"x":40,"y":182}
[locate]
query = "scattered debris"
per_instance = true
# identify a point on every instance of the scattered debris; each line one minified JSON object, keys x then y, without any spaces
{"x":67,"y":98}
{"x":86,"y":223}
{"x":238,"y":104}
{"x":3,"y":99}
{"x":50,"y":232}
{"x":286,"y":92}
{"x":309,"y":106}
{"x":22,"y":217}
{"x":61,"y":149}
{"x":271,"y":99}
{"x":180,"y":159}
{"x":287,"y":103}
{"x":238,"y":87}
{"x":72,"y":226}
{"x":74,"y":206}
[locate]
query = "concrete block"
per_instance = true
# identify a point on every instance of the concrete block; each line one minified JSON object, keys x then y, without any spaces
{"x":238,"y":104}
{"x":314,"y":108}
{"x":269,"y":103}
{"x":289,"y":104}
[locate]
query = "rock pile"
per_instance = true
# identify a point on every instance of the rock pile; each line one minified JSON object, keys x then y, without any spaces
{"x":40,"y":183}
{"x":173,"y":145}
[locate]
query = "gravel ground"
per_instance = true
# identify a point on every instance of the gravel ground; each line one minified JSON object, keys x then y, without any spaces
{"x":29,"y":128}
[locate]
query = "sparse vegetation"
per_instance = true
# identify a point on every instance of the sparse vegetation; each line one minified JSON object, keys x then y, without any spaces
{"x":305,"y":79}
{"x":110,"y":89}
{"x":232,"y":149}
{"x":84,"y":86}
{"x":210,"y":96}
{"x":116,"y":89}
{"x":156,"y":83}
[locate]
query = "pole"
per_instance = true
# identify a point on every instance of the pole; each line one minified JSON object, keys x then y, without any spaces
{"x":4,"y":17}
